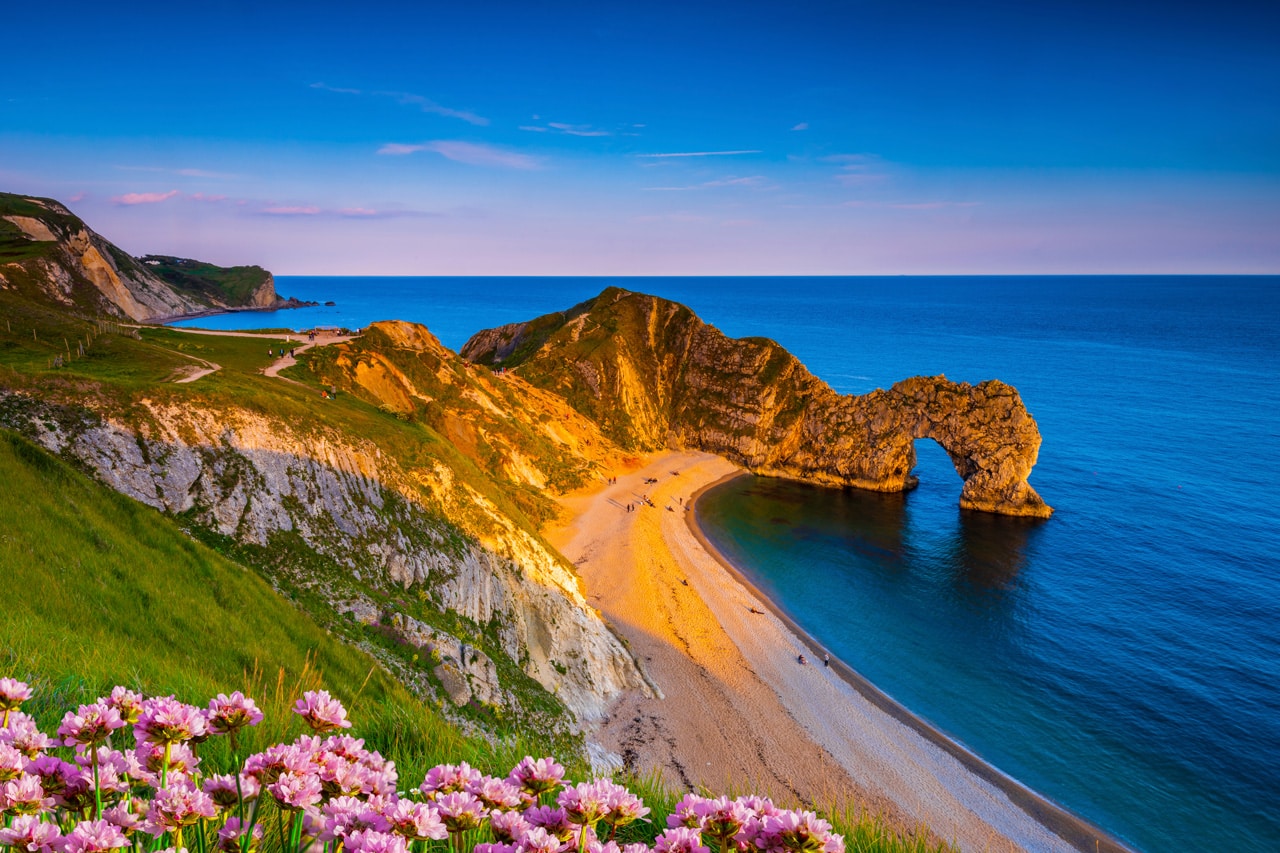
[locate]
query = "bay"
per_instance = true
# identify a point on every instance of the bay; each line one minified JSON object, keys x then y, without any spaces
{"x":1121,"y":657}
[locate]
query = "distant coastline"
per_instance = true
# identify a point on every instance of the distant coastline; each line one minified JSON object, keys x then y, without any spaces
{"x":1077,"y":831}
{"x":279,"y":305}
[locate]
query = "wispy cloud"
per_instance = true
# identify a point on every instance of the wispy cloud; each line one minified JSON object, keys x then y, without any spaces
{"x":429,"y":106}
{"x":567,"y":129}
{"x":804,"y":125}
{"x":756,"y":181}
{"x":143,"y":198}
{"x":80,"y":196}
{"x":207,"y":197}
{"x":858,"y":169}
{"x":292,"y":210}
{"x":411,"y":100}
{"x":471,"y":153}
{"x":398,"y":149}
{"x":340,"y":90}
{"x":701,"y":154}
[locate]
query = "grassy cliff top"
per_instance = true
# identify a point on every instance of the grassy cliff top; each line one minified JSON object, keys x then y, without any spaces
{"x":231,"y":285}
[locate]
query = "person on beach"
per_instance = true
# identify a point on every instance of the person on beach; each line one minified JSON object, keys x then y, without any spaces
{"x":826,"y":659}
{"x":802,"y":660}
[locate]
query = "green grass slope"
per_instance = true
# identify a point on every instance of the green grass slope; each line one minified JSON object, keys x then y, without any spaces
{"x":103,"y":590}
{"x":233,"y":286}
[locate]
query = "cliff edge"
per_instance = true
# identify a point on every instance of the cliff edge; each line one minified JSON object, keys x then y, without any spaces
{"x":48,"y":254}
{"x":652,"y":374}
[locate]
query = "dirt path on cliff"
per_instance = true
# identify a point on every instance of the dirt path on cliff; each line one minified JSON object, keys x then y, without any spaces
{"x":287,"y":360}
{"x":740,"y":712}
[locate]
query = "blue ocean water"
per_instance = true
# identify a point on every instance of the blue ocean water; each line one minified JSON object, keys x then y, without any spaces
{"x":1122,"y":657}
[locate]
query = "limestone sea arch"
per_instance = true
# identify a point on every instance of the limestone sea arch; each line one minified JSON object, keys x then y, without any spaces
{"x":654,"y":375}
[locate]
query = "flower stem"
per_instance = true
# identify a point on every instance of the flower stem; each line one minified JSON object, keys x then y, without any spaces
{"x":97,"y":790}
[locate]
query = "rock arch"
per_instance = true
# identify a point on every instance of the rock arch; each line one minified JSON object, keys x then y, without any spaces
{"x":867,"y":442}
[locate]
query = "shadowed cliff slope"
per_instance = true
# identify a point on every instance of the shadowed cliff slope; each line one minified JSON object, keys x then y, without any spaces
{"x":652,"y":374}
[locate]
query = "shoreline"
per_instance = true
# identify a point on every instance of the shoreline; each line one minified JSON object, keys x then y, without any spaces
{"x":740,"y":713}
{"x":1072,"y":828}
{"x":282,"y":305}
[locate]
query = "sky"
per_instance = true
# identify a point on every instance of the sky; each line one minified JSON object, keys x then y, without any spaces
{"x":693,"y":138}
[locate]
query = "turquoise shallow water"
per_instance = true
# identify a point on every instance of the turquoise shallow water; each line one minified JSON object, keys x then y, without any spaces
{"x":1122,"y":657}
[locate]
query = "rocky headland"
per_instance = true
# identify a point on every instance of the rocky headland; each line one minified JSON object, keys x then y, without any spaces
{"x":49,"y":254}
{"x":653,"y":375}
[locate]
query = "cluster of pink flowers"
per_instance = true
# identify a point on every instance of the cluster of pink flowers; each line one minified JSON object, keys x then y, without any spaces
{"x":331,"y":792}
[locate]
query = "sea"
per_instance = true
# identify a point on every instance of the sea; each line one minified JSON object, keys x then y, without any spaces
{"x":1122,"y":657}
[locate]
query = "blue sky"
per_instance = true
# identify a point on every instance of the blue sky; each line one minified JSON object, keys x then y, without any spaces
{"x":658,"y":138}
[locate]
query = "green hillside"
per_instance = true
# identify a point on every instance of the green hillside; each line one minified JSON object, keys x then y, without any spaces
{"x":105,"y":591}
{"x":230,"y":285}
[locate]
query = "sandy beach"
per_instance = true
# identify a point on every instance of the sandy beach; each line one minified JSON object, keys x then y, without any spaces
{"x":740,"y":712}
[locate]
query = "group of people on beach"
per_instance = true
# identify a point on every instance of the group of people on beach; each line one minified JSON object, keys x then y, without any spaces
{"x":826,"y":658}
{"x":644,"y":501}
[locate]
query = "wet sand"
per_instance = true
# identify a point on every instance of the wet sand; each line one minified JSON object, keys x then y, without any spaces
{"x":740,"y":712}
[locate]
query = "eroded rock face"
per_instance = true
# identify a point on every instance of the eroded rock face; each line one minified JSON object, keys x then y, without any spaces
{"x":653,"y":374}
{"x":65,"y":261}
{"x":253,"y":478}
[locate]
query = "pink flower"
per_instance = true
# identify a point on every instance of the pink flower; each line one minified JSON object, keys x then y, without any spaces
{"x":267,"y":766}
{"x":723,"y":818}
{"x":460,"y":811}
{"x":342,"y":816}
{"x":342,"y":776}
{"x":800,"y":832}
{"x":687,"y":813}
{"x":507,"y":827}
{"x":90,"y":725}
{"x":415,"y":821}
{"x":348,"y":747}
{"x":231,"y":713}
{"x":587,"y":802}
{"x":536,"y":776}
{"x":449,"y":778}
{"x":128,"y":703}
{"x":296,"y":791}
{"x":623,"y":807}
{"x":24,"y":796}
{"x":538,"y":840}
{"x":498,"y":847}
{"x":93,"y":836}
{"x":680,"y":839}
{"x":29,"y":833}
{"x":497,"y":794}
{"x":53,"y":773}
{"x":553,"y":820}
{"x":76,"y":793}
{"x":149,"y":762}
{"x":321,"y":711}
{"x":222,"y":790}
{"x":372,"y":841}
{"x":24,"y":735}
{"x":12,"y":694}
{"x":120,"y":816}
{"x":178,"y":806}
{"x":12,"y":763}
{"x":232,"y":831}
{"x":166,"y":720}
